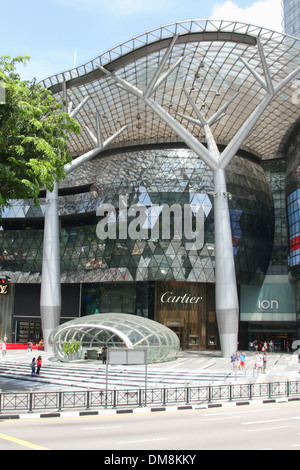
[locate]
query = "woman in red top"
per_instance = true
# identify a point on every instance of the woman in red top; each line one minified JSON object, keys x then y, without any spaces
{"x":38,"y":365}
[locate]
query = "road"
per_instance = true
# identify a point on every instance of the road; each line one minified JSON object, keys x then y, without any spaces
{"x":273,"y":426}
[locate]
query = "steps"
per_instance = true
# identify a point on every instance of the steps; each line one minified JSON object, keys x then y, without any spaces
{"x":94,"y":377}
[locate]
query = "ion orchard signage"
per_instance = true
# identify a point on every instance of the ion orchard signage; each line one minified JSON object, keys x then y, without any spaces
{"x":268,"y":305}
{"x":170,"y":298}
{"x":139,"y":222}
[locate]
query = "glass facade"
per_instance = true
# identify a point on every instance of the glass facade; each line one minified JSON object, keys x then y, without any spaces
{"x":275,"y":171}
{"x":153,"y":179}
{"x":293,"y":200}
{"x":292,"y":17}
{"x":131,"y":275}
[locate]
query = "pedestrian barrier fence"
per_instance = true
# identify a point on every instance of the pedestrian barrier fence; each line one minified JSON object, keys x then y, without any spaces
{"x":89,"y":398}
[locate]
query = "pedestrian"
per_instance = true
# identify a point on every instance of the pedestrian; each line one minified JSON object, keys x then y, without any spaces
{"x":99,"y":353}
{"x":271,"y":346}
{"x":265,"y":360}
{"x":242,"y":361}
{"x":32,"y":365}
{"x":232,"y":361}
{"x":3,"y":350}
{"x":29,"y":347}
{"x":299,"y":363}
{"x":259,"y":362}
{"x":104,"y":355}
{"x":38,"y":365}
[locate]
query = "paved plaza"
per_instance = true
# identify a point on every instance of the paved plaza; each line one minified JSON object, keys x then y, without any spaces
{"x":190,"y":367}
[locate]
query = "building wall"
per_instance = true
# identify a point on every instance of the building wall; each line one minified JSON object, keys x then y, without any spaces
{"x":291,"y":10}
{"x":153,"y":178}
{"x":125,"y":274}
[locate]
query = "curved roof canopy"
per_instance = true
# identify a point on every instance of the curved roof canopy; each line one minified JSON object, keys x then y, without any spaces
{"x":210,"y":66}
{"x":117,"y":330}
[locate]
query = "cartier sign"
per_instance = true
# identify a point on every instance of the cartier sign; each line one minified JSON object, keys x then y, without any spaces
{"x":170,"y":298}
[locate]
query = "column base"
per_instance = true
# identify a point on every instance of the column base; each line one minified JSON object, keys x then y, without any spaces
{"x":228,"y":323}
{"x":50,"y":320}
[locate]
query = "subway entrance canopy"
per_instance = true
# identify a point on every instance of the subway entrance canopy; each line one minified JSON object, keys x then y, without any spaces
{"x":218,"y":87}
{"x":118,"y":330}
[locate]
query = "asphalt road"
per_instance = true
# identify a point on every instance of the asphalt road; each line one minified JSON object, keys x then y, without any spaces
{"x":270,"y":426}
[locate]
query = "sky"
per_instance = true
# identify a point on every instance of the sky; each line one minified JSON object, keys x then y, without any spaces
{"x":58,"y":33}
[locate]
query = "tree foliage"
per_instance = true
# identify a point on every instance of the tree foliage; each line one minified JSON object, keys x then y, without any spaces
{"x":33,"y":135}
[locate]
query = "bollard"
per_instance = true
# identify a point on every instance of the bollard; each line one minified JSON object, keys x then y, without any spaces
{"x":115,"y":398}
{"x":209,"y":393}
{"x":230,"y":391}
{"x":30,"y":401}
{"x":59,"y":400}
{"x":88,"y":398}
{"x":164,"y":395}
{"x":187,"y":393}
{"x":269,"y":389}
{"x":250,"y":390}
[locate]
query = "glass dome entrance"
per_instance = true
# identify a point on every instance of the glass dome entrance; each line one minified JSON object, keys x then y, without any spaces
{"x":117,"y":330}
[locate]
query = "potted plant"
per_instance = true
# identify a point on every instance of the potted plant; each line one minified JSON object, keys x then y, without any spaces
{"x":70,"y":349}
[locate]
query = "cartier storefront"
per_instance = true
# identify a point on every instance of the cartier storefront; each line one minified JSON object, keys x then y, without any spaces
{"x":185,"y":307}
{"x":188,"y":309}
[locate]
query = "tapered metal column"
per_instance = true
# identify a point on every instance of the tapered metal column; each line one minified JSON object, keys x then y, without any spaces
{"x":227,"y":306}
{"x":50,"y":285}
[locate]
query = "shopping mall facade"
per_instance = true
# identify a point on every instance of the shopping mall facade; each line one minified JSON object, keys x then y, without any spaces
{"x":138,"y":226}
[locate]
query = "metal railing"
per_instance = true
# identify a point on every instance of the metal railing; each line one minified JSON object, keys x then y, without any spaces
{"x":88,"y":399}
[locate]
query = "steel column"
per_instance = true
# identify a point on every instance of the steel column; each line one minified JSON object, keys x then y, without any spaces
{"x":50,"y":303}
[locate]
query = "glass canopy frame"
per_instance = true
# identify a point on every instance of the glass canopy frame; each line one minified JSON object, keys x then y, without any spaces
{"x":212,"y":71}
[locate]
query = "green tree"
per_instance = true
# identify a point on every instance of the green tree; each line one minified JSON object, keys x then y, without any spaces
{"x":33,"y":135}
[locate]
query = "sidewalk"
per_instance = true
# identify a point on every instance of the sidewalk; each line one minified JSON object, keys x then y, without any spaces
{"x":196,"y":365}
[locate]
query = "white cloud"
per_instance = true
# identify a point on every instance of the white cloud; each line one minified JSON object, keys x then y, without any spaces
{"x":265,"y":13}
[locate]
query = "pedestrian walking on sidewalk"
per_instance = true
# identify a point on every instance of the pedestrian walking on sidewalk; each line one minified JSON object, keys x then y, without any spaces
{"x":233,"y":361}
{"x":32,"y":365}
{"x":258,"y":362}
{"x":242,"y":360}
{"x":104,"y":355}
{"x":299,"y":363}
{"x":3,"y":350}
{"x":38,"y":365}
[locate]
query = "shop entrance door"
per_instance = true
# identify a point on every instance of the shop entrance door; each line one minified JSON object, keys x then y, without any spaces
{"x":179,"y":333}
